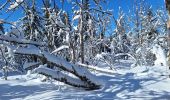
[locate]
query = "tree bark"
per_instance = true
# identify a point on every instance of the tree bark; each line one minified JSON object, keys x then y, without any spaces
{"x":167,"y":3}
{"x":81,"y":37}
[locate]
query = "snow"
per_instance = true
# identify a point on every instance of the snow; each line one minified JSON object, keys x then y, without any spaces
{"x":60,"y":32}
{"x":57,"y":74}
{"x":29,"y":50}
{"x":29,"y":64}
{"x":19,"y":1}
{"x":76,"y":17}
{"x":70,"y":67}
{"x":10,"y":52}
{"x":14,"y":5}
{"x":1,"y":32}
{"x":67,"y":37}
{"x":51,"y":74}
{"x":21,"y":41}
{"x":97,"y":68}
{"x":60,"y":48}
{"x":138,"y":83}
{"x":57,"y":61}
{"x":160,"y":55}
{"x":59,"y":22}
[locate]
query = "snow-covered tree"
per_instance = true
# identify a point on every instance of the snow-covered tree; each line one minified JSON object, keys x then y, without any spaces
{"x":89,"y":20}
{"x":120,"y":42}
{"x":148,"y":26}
{"x":37,"y":47}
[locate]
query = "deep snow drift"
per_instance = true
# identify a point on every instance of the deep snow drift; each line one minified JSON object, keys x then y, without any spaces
{"x":141,"y":82}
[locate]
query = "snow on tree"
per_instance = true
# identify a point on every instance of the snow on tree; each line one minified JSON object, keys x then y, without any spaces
{"x":120,"y":43}
{"x":160,"y":55}
{"x":46,"y":40}
{"x":13,"y":4}
{"x":148,"y":27}
{"x":32,"y":48}
{"x":88,"y":20}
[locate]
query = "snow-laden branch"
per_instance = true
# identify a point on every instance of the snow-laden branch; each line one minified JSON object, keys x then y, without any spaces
{"x":28,"y":65}
{"x":104,"y":12}
{"x":60,"y":76}
{"x":20,"y":41}
{"x":126,"y":54}
{"x":60,"y":48}
{"x":15,"y":4}
{"x":97,"y":68}
{"x":82,"y":73}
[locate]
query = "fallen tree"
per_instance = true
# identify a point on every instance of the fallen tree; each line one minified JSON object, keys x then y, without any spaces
{"x":80,"y":77}
{"x":62,"y":77}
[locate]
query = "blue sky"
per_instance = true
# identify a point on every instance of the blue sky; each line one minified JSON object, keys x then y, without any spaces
{"x":126,"y":5}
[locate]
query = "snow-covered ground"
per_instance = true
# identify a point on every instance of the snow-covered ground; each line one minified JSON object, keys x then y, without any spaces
{"x":138,"y":83}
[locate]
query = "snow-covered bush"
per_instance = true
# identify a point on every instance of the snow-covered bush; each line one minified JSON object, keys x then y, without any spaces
{"x":104,"y":58}
{"x":160,"y":55}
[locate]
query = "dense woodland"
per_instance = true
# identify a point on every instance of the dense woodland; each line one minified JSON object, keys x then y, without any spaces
{"x":68,"y":46}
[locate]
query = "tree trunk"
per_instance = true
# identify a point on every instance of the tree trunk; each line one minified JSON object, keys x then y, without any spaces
{"x":81,"y":47}
{"x":81,"y":36}
{"x":168,"y":56}
{"x":167,"y":3}
{"x":73,"y":57}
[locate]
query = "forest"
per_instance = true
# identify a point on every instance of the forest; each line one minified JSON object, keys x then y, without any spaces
{"x":87,"y":52}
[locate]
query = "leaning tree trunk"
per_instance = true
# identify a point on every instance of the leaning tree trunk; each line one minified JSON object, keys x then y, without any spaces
{"x":168,"y":26}
{"x":167,"y":3}
{"x":82,"y":77}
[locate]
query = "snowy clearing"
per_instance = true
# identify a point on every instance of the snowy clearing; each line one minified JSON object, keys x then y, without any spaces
{"x":126,"y":83}
{"x":84,"y":50}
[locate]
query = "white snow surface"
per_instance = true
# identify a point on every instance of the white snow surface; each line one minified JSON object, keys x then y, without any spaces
{"x":60,"y":48}
{"x":57,"y":74}
{"x":137,"y":83}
